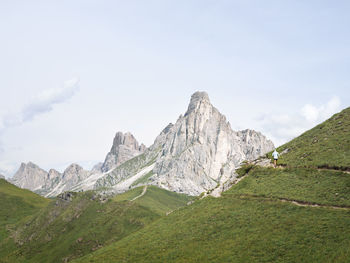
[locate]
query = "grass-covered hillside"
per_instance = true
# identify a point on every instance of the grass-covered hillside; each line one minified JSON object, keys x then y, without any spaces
{"x":16,"y":205}
{"x":74,"y":225}
{"x":326,"y":145}
{"x":249,"y":223}
{"x":158,"y":200}
{"x":293,"y":214}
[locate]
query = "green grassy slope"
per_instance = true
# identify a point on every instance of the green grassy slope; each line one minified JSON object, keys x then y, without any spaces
{"x":16,"y":205}
{"x":158,"y":200}
{"x":306,"y":185}
{"x":326,"y":145}
{"x":237,"y":229}
{"x":69,"y":229}
{"x":162,"y":201}
{"x":251,"y":222}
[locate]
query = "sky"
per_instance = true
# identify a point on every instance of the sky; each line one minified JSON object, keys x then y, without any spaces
{"x":74,"y":72}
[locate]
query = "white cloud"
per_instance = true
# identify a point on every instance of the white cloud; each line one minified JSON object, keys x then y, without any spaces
{"x":283,"y":127}
{"x":310,"y":112}
{"x":39,"y":104}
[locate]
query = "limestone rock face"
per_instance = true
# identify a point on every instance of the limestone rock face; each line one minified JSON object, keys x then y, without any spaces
{"x":52,"y":180}
{"x":254,"y":144}
{"x":32,"y":177}
{"x":124,"y":147}
{"x":97,"y":168}
{"x":196,"y":154}
{"x":73,"y":175}
{"x":201,"y":150}
{"x":52,"y":183}
{"x":29,"y":176}
{"x":199,"y":153}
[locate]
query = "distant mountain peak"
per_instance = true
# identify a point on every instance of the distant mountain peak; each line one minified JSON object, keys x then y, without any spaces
{"x":124,"y":147}
{"x":73,"y":168}
{"x":29,"y":176}
{"x":197,"y":99}
{"x":196,"y":154}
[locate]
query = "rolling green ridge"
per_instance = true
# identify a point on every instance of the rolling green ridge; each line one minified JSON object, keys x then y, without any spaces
{"x":157,"y":199}
{"x":256,"y":220}
{"x":326,"y":145}
{"x":16,"y":205}
{"x":68,"y":229}
{"x":295,"y":213}
{"x":162,"y":201}
{"x":306,"y":185}
{"x":237,"y":229}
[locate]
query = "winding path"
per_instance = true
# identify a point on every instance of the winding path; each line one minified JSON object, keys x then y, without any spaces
{"x":142,"y":194}
{"x":303,"y":203}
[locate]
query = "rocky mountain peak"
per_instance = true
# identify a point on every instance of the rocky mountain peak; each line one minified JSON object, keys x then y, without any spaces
{"x":2,"y":177}
{"x":73,"y":168}
{"x":32,"y":165}
{"x":29,"y":176}
{"x":53,"y":174}
{"x":73,"y":174}
{"x":197,"y":98}
{"x":201,"y":150}
{"x":124,"y":147}
{"x":53,"y":171}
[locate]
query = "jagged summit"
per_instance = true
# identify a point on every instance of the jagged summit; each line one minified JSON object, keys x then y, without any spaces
{"x":197,"y":99}
{"x":126,"y":139}
{"x":52,"y":183}
{"x":53,"y":171}
{"x":73,"y":168}
{"x":124,"y":147}
{"x":197,"y":153}
{"x":29,"y":176}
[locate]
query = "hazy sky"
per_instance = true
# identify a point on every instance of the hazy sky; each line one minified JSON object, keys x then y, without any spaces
{"x":73,"y":73}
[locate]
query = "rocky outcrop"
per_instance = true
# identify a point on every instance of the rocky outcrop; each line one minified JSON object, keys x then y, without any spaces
{"x":53,"y":179}
{"x":2,"y":177}
{"x":196,"y":154}
{"x":199,"y":153}
{"x":52,"y":183}
{"x":201,"y":150}
{"x":97,"y":168}
{"x":124,"y":147}
{"x":30,"y":176}
{"x":254,"y":144}
{"x":73,"y":175}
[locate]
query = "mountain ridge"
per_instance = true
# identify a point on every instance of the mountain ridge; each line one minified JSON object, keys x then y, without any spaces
{"x":196,"y":154}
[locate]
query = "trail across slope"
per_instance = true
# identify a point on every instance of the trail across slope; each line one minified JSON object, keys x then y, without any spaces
{"x":142,"y":194}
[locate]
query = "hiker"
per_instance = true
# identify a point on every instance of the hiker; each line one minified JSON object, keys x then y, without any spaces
{"x":275,"y":156}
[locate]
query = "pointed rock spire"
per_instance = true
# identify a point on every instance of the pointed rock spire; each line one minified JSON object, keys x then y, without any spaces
{"x":196,"y":99}
{"x":124,"y":147}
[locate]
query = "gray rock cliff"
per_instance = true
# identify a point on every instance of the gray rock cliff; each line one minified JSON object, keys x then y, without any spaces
{"x":29,"y":176}
{"x":124,"y":147}
{"x":196,"y":154}
{"x":199,"y":153}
